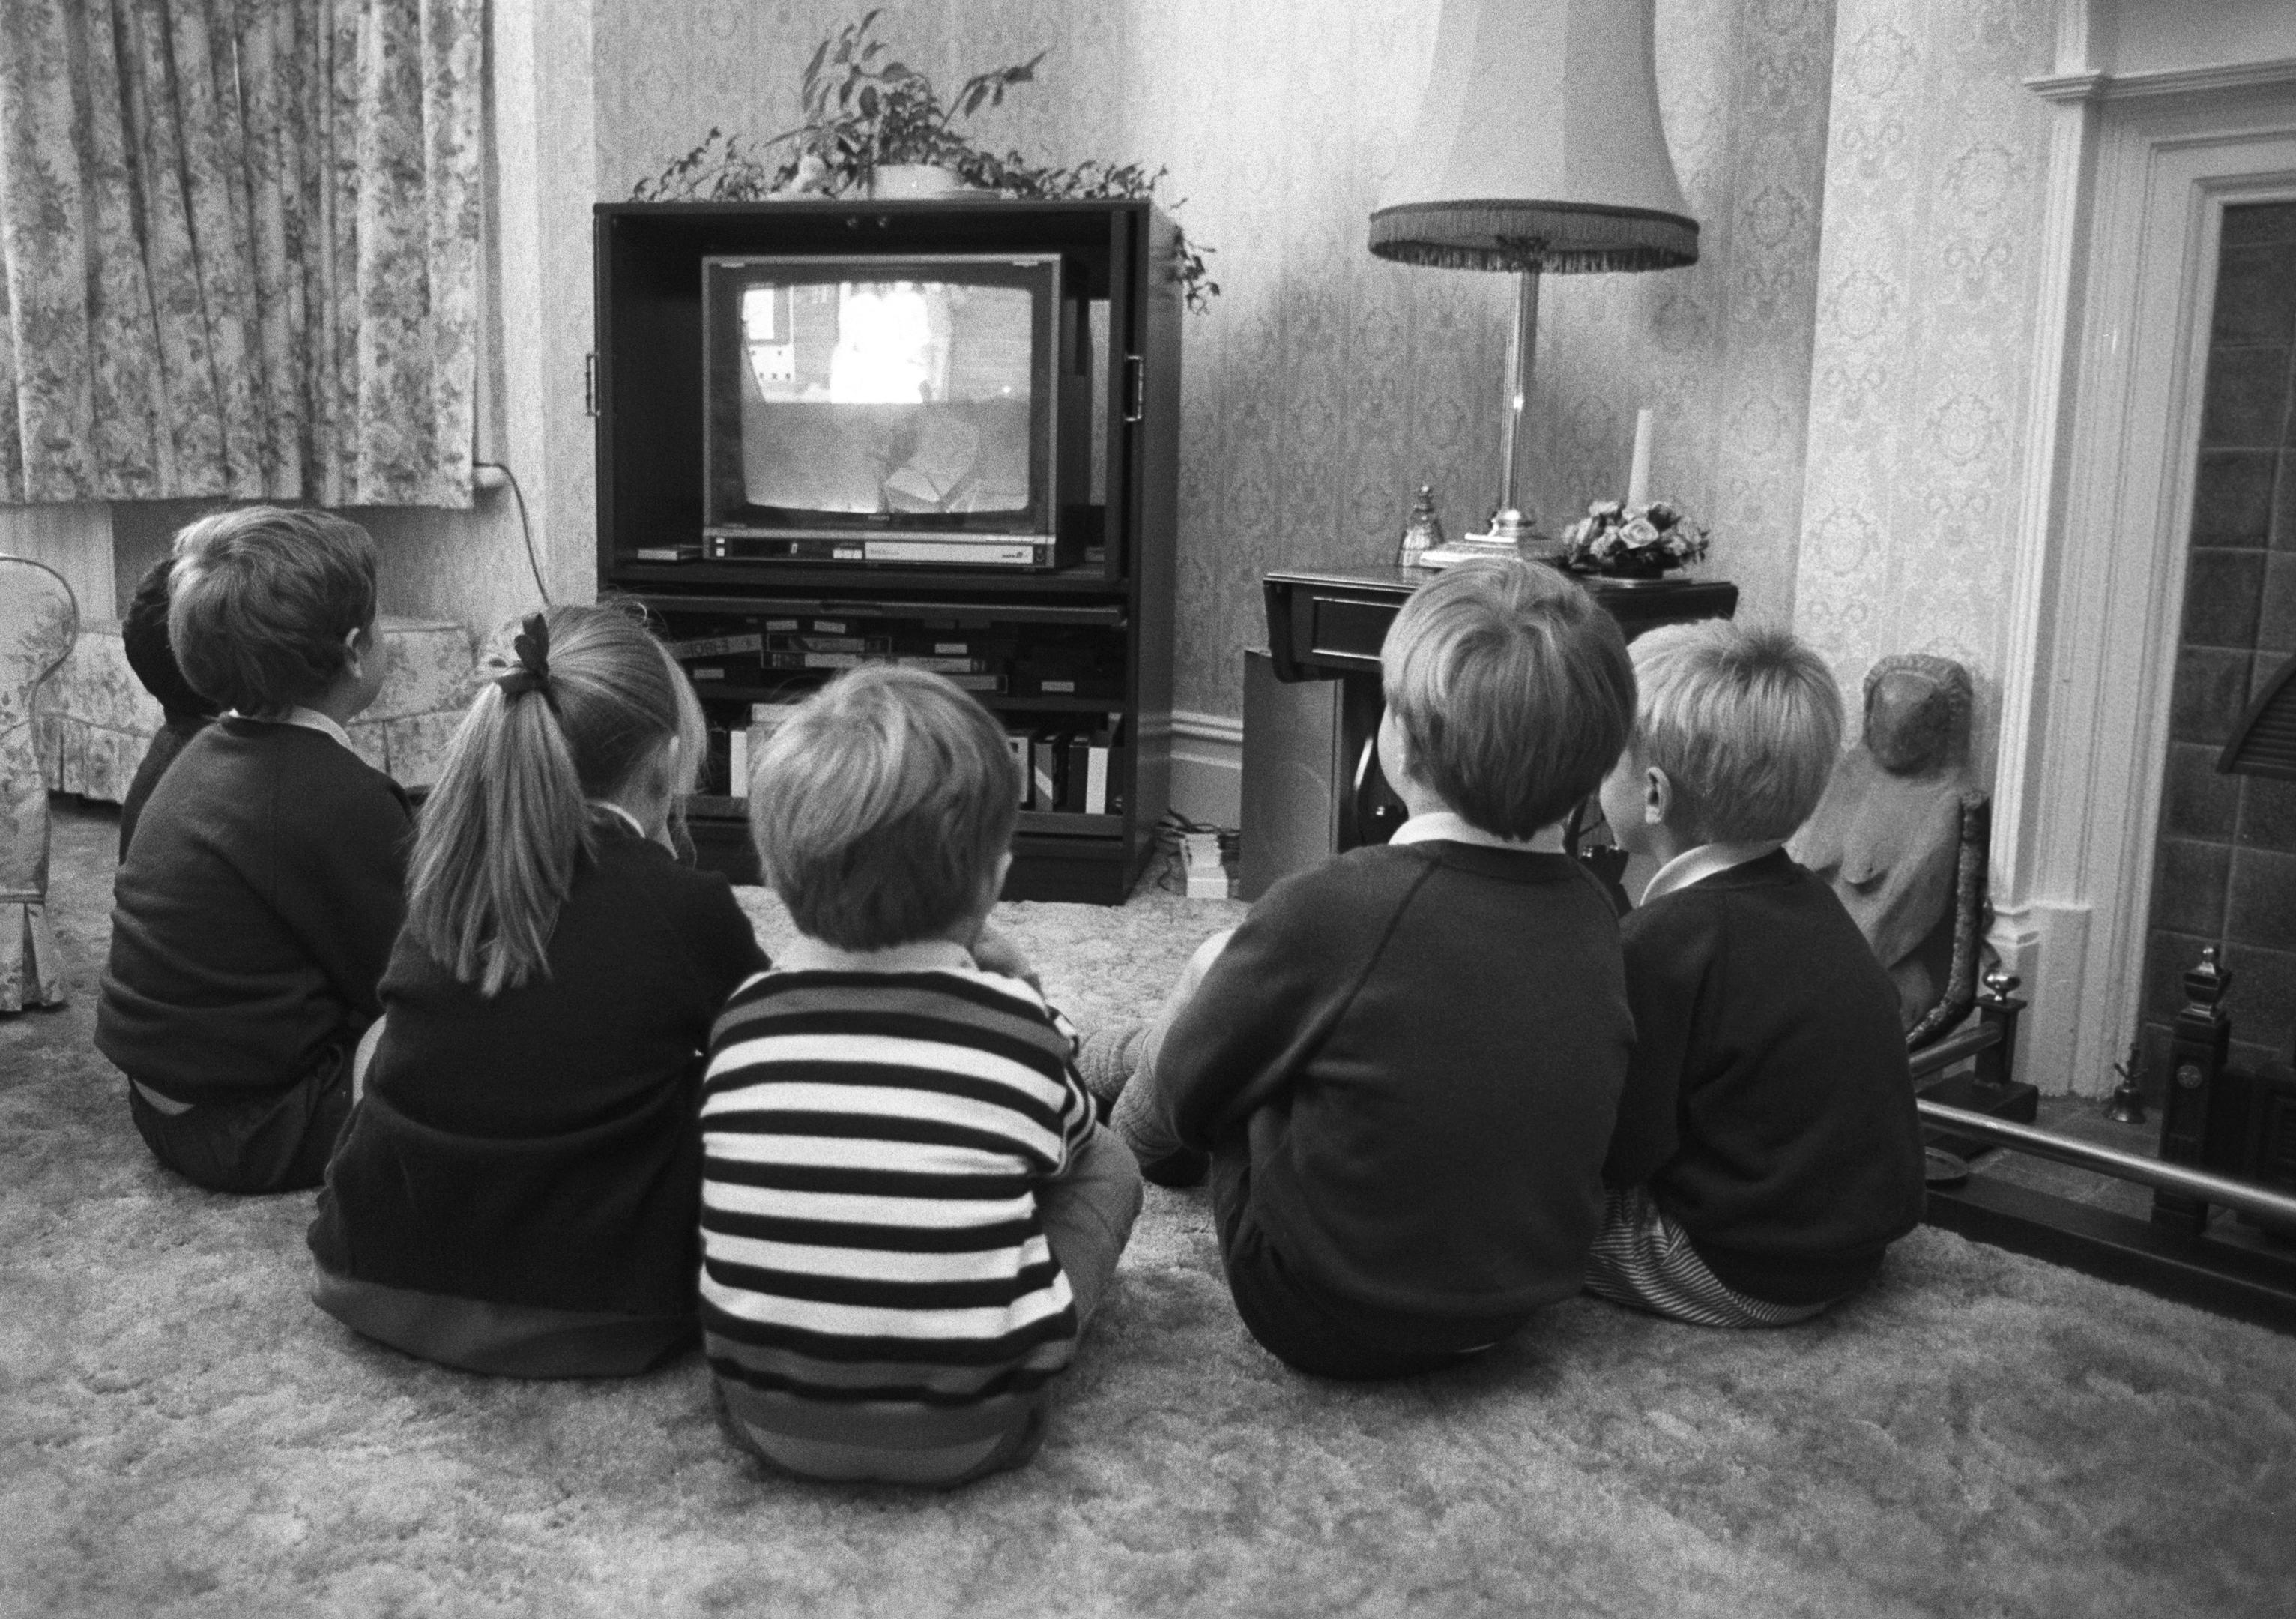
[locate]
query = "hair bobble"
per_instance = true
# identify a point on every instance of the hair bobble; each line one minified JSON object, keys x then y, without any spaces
{"x":532,"y":646}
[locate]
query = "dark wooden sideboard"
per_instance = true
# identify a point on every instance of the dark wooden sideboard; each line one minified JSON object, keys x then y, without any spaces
{"x":1312,"y":703}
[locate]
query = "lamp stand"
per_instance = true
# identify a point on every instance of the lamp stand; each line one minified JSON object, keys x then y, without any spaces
{"x":1511,"y":525}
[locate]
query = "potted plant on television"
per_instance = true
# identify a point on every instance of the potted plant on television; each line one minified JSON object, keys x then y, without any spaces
{"x":875,"y":126}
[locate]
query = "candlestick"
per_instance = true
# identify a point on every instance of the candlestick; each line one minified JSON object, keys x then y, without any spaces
{"x":1638,"y":473}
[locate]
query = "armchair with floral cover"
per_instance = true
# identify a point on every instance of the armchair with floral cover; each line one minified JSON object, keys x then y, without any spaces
{"x":38,"y":620}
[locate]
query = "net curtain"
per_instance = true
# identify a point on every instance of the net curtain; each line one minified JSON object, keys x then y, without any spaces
{"x":239,"y":247}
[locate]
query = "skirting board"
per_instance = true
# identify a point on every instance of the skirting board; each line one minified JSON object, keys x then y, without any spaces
{"x":1207,"y":767}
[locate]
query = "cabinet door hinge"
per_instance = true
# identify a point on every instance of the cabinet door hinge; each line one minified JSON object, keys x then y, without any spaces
{"x":1135,"y":387}
{"x":590,"y":384}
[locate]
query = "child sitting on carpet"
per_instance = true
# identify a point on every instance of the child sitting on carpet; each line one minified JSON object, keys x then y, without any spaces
{"x":1769,"y":1146}
{"x":516,"y":1190}
{"x":908,"y":1210}
{"x":256,"y":904}
{"x":1404,"y":1065}
{"x":144,"y":636}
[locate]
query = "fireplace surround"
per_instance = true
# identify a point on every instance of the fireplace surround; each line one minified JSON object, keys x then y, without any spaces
{"x":2144,"y":169}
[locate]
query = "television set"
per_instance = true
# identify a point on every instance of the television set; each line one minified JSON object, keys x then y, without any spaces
{"x":887,"y":408}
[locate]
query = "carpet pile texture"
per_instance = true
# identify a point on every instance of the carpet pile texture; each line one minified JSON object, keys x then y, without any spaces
{"x":181,"y":1432}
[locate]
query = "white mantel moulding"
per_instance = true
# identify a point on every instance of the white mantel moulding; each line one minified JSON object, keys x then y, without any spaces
{"x":2138,"y":182}
{"x":2092,"y":85}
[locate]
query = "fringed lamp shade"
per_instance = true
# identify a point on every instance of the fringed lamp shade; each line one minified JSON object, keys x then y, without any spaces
{"x":1538,"y":149}
{"x":1538,"y":146}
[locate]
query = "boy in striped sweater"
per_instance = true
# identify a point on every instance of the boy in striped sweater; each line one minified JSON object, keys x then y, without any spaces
{"x":908,"y":1210}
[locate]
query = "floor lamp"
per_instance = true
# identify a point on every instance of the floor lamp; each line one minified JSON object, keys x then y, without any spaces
{"x":1537,"y":150}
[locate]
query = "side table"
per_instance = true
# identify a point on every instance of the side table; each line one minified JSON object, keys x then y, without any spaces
{"x":1312,"y":703}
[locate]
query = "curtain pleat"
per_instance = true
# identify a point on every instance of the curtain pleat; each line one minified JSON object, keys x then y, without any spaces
{"x":239,"y":249}
{"x":130,"y":454}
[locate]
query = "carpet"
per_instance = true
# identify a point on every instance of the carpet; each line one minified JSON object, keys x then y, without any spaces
{"x":181,"y":1432}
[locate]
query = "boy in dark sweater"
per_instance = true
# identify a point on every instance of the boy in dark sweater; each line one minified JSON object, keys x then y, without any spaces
{"x":1769,"y":1149}
{"x":143,"y":634}
{"x":1402,"y":1070}
{"x":255,"y":905}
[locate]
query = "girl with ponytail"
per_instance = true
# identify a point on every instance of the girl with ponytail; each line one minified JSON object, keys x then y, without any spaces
{"x":517,"y":1189}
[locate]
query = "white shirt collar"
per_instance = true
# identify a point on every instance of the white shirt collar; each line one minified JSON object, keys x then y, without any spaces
{"x":309,"y":719}
{"x":1707,"y":861}
{"x":1449,"y":826}
{"x":611,"y":808}
{"x":804,"y":954}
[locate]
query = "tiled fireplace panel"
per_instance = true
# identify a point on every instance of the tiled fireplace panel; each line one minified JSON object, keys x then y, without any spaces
{"x":2225,"y":868}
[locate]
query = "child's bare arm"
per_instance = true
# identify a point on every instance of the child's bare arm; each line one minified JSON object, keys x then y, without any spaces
{"x":995,"y":952}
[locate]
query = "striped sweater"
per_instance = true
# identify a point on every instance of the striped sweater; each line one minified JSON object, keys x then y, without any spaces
{"x":873,"y":1268}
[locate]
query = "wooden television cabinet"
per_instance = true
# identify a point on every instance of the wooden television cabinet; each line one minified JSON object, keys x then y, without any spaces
{"x":1078,"y":651}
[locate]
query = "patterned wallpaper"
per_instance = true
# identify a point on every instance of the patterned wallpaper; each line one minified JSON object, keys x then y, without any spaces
{"x":1326,"y":384}
{"x":1927,"y":289}
{"x":1721,"y":351}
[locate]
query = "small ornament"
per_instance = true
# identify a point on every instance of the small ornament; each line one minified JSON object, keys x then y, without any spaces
{"x":1423,"y":531}
{"x":2127,"y":1104}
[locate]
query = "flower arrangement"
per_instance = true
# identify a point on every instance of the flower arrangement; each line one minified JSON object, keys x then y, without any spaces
{"x":1620,"y":541}
{"x":865,"y":112}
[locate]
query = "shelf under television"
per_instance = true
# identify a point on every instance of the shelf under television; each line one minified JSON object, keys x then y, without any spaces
{"x":859,"y":582}
{"x":1049,"y":822}
{"x":1069,"y":824}
{"x":996,"y":702}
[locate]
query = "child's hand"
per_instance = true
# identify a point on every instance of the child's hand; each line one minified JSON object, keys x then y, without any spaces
{"x":992,"y":952}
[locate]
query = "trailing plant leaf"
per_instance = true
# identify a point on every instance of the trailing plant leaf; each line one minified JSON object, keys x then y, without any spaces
{"x":863,"y":113}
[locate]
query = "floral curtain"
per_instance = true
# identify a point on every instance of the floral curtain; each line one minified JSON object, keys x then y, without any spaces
{"x":239,"y":249}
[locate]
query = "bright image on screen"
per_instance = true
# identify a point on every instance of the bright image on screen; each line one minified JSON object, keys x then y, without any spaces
{"x":901,"y":396}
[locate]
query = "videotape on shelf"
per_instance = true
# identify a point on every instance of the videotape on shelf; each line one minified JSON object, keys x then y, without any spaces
{"x":1030,"y":684}
{"x":715,"y":646}
{"x":1093,"y":758}
{"x":942,"y":666}
{"x":1064,"y":771}
{"x":1016,"y":743}
{"x":949,"y":643}
{"x":1047,"y":767}
{"x":809,"y":641}
{"x":966,"y":674}
{"x":1057,"y":668}
{"x":727,"y":658}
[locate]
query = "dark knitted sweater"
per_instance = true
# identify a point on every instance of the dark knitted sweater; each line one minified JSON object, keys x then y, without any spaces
{"x":1425,"y":1044}
{"x":166,"y":743}
{"x":253,"y":913}
{"x":1769,"y":1107}
{"x":541,"y":1147}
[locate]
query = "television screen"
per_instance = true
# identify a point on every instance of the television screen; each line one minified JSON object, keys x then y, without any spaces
{"x":909,"y":393}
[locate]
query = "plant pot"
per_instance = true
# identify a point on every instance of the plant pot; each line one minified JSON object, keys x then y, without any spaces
{"x":914,"y":183}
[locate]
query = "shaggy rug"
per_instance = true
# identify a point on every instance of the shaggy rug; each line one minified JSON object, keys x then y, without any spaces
{"x":181,"y":1432}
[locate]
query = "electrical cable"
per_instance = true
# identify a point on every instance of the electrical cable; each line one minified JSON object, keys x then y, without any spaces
{"x":525,"y":528}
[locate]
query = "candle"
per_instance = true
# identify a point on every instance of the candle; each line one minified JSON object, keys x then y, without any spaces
{"x":1638,"y":473}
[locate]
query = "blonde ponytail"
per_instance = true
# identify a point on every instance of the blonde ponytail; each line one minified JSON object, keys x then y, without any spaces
{"x":590,"y":699}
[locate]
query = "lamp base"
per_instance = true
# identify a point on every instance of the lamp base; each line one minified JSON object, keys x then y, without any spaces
{"x":1509,"y":526}
{"x":1511,"y":533}
{"x":1438,"y":557}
